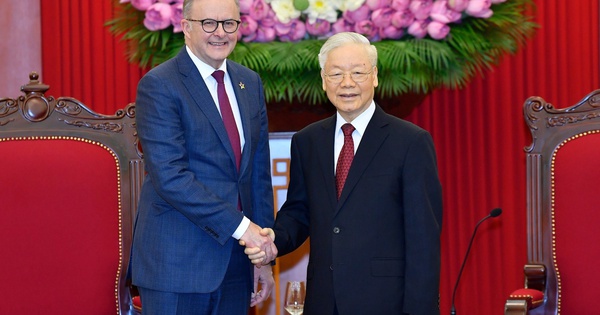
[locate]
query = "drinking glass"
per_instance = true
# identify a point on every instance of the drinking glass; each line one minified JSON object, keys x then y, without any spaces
{"x":294,"y":297}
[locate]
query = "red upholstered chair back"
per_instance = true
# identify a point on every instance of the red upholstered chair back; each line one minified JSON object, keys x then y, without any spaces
{"x":69,"y":181}
{"x":563,"y":210}
{"x":576,"y":215}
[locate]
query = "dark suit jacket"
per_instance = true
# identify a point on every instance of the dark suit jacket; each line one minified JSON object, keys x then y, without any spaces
{"x":377,"y":250}
{"x":188,"y":207}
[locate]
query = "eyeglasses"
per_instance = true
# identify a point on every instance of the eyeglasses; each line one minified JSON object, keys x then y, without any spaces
{"x":356,"y":76}
{"x":210,"y":25}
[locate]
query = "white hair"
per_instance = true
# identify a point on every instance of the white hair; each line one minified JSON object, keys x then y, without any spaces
{"x":341,"y":39}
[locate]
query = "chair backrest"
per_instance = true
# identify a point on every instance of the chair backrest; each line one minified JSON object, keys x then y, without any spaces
{"x":562,"y":204}
{"x":69,"y":181}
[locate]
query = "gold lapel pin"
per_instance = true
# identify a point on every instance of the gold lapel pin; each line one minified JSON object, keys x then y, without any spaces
{"x":242,"y":86}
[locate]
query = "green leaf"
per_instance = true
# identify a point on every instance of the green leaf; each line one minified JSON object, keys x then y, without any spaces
{"x":290,"y":70}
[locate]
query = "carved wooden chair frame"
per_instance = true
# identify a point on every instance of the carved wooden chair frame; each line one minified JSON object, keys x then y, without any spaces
{"x":551,"y":129}
{"x":37,"y":116}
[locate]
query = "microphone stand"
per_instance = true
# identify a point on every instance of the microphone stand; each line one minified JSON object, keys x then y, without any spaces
{"x":494,"y":213}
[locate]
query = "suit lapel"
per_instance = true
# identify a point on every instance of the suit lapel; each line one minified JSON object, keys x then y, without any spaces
{"x":372,"y":140}
{"x":194,"y":83}
{"x":325,"y":158}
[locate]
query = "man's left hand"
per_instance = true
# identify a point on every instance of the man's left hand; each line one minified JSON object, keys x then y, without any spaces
{"x":264,"y":277}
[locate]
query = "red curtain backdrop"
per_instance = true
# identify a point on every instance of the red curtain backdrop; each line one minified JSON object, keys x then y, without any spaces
{"x":479,"y":131}
{"x":82,"y":59}
{"x":480,"y":135}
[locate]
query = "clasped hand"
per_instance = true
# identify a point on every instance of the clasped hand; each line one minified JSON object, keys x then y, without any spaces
{"x":259,"y":245}
{"x":261,"y":251}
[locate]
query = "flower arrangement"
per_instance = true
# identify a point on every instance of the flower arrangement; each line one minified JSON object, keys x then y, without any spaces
{"x":422,"y":44}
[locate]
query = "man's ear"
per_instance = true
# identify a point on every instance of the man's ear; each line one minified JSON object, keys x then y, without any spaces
{"x":186,"y":27}
{"x":375,"y":78}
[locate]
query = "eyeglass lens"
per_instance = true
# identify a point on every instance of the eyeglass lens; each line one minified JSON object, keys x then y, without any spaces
{"x":210,"y":25}
{"x":356,"y":77}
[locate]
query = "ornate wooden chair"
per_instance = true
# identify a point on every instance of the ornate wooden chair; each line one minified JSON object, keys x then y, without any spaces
{"x":561,"y":275}
{"x":69,"y":182}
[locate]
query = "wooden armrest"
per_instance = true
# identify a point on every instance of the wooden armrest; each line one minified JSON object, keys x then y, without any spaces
{"x":535,"y":277}
{"x":515,"y":307}
{"x":532,"y":296}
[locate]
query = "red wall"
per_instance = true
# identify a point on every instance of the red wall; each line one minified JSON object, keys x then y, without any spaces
{"x":479,"y":130}
{"x":19,"y":45}
{"x":82,"y":59}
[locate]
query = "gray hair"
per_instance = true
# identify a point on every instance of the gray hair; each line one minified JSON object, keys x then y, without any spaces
{"x":341,"y":39}
{"x":187,"y":7}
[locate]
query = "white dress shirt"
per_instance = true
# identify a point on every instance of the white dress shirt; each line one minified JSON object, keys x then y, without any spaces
{"x":360,"y":125}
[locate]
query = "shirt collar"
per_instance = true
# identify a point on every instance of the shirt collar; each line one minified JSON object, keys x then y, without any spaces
{"x":204,"y":69}
{"x":360,"y":123}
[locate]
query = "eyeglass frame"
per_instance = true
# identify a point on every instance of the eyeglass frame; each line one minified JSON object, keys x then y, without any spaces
{"x":343,"y":75}
{"x":222,"y":22}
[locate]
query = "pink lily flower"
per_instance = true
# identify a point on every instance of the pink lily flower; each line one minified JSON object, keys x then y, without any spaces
{"x":437,"y":30}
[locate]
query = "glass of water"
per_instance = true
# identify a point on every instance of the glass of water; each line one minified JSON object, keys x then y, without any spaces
{"x":294,"y":297}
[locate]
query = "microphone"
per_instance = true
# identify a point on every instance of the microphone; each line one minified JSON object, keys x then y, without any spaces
{"x":494,"y":213}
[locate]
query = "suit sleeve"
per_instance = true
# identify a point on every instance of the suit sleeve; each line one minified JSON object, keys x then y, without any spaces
{"x":292,"y":221}
{"x":423,"y":222}
{"x":262,"y":198}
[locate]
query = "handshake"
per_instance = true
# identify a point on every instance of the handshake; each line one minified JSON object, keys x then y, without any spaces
{"x":259,"y":243}
{"x":261,"y":251}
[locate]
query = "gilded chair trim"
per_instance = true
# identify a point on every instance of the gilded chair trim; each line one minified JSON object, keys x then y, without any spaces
{"x":120,"y":214}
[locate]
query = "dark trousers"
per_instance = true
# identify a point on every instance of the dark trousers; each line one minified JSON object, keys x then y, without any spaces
{"x":231,"y":298}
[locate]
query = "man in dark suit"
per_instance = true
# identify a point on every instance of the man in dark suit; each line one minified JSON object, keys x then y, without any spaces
{"x":207,"y":185}
{"x":375,"y":236}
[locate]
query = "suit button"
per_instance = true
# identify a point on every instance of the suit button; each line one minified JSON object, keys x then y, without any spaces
{"x":331,"y":267}
{"x":336,"y":230}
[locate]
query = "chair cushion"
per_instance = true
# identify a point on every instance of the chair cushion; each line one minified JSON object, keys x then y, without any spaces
{"x":137,"y":303}
{"x":533,"y":297}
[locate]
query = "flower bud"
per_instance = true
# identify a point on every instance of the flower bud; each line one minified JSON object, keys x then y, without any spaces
{"x":301,"y":5}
